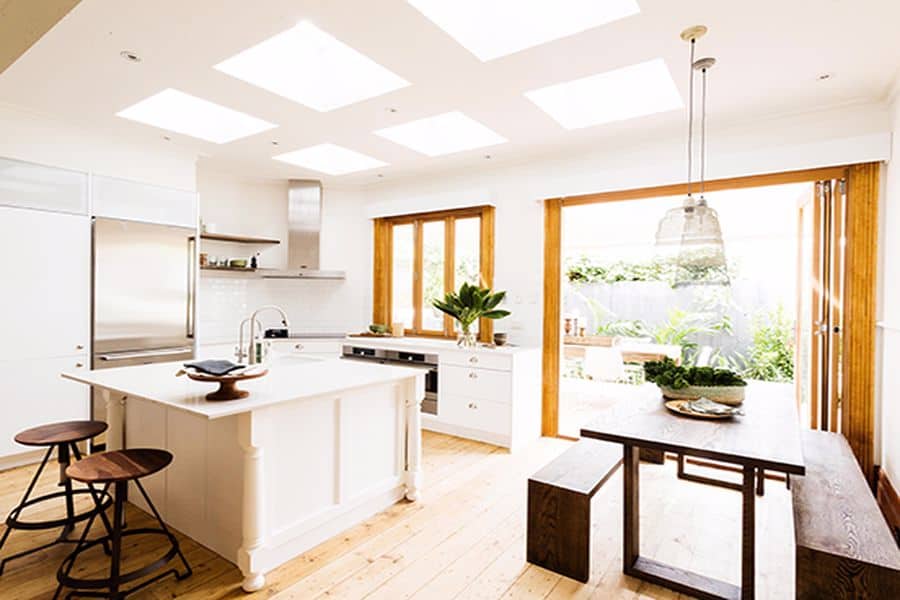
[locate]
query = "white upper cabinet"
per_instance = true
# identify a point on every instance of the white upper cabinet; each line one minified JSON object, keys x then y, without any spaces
{"x":121,"y":199}
{"x":46,"y":270}
{"x":28,"y":185}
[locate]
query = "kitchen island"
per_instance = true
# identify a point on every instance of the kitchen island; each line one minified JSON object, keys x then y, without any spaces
{"x":316,"y":447}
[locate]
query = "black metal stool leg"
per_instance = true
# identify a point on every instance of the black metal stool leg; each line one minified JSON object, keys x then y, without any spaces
{"x":188,"y":571}
{"x":65,"y":569}
{"x":66,"y":483}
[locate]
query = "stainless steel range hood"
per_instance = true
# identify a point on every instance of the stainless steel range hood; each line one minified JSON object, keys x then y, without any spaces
{"x":304,"y":228}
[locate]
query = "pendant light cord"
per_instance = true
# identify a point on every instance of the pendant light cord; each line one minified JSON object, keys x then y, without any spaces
{"x":690,"y":148}
{"x":703,"y":135}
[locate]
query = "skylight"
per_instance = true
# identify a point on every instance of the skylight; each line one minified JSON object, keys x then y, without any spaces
{"x":493,"y":28}
{"x":442,"y":134}
{"x":176,"y":111}
{"x":642,"y":89}
{"x":309,"y":66}
{"x":331,"y":159}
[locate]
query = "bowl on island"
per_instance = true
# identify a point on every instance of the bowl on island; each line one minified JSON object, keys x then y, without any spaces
{"x":731,"y":395}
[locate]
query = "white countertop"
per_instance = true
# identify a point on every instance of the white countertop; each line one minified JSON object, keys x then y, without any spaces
{"x":423,"y":344}
{"x":288,"y":379}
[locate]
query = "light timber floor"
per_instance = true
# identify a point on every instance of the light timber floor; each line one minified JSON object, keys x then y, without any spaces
{"x":465,"y":539}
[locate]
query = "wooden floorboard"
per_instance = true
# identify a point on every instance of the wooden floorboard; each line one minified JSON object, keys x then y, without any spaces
{"x":464,"y":540}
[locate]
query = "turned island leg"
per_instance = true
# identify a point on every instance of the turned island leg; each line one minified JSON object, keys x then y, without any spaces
{"x":414,"y":394}
{"x":253,"y":517}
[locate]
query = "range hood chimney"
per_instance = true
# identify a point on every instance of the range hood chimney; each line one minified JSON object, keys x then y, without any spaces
{"x":304,"y":228}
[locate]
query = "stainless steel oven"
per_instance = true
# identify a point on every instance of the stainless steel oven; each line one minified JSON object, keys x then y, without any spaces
{"x":428,"y":362}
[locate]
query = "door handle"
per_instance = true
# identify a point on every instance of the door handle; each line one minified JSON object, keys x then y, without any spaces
{"x":144,"y":354}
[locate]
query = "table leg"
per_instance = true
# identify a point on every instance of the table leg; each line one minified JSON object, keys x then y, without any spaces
{"x":748,"y":537}
{"x":631,"y":533}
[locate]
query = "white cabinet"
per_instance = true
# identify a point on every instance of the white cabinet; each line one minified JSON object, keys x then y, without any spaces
{"x":45,"y":304}
{"x":121,"y":199}
{"x":35,"y":393}
{"x":489,"y":396}
{"x":27,"y":185}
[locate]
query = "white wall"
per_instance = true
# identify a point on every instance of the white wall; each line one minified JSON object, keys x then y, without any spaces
{"x":44,"y":140}
{"x":259,"y":208}
{"x":840,"y":136}
{"x":889,"y":312}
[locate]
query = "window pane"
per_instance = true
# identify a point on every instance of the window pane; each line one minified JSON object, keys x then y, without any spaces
{"x":402,"y":275}
{"x":467,"y":251}
{"x":432,"y":274}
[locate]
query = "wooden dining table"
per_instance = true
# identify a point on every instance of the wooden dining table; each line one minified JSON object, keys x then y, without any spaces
{"x":766,"y":437}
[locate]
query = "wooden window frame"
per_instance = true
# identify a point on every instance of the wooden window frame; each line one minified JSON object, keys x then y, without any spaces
{"x":860,"y":229}
{"x":382,"y":285}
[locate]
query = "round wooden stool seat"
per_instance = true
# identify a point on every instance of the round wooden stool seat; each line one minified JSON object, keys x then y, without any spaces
{"x":119,"y":465}
{"x":65,"y":432}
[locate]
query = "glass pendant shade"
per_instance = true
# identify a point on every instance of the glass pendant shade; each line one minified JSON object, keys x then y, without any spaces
{"x":692,"y":237}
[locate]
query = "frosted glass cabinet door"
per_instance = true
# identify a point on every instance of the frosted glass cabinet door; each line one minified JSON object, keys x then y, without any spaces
{"x":28,"y":185}
{"x":46,"y":292}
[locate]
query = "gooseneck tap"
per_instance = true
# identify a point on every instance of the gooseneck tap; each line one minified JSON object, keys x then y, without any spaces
{"x":252,"y":357}
{"x":243,"y":351}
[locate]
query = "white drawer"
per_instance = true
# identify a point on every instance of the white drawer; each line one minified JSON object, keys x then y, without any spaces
{"x":482,"y":415}
{"x":483,"y":359}
{"x":307,"y":346}
{"x":478,"y":384}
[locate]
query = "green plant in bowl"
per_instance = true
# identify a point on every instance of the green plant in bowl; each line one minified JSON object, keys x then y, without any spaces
{"x":690,"y":383}
{"x":378,"y":328}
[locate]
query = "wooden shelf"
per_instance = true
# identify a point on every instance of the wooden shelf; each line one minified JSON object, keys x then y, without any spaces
{"x":232,"y":269}
{"x":237,"y":239}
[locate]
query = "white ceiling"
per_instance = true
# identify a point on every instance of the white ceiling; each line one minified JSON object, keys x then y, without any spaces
{"x":769,"y":53}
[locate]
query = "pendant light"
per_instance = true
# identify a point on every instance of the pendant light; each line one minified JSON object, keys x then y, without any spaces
{"x":691,"y":231}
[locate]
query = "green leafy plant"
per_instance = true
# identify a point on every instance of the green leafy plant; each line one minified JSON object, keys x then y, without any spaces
{"x":669,"y":374}
{"x":681,"y":328}
{"x":669,"y":270}
{"x":771,"y":355}
{"x":471,"y":303}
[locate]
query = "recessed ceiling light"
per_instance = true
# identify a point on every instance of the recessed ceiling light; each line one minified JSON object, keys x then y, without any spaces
{"x":130,"y":56}
{"x":642,"y":89}
{"x":442,"y":134}
{"x":493,"y":28}
{"x":331,"y":159}
{"x":309,"y":66}
{"x":176,"y":111}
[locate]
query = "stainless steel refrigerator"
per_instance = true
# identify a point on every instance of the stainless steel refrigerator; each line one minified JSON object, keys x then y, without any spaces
{"x":144,"y":280}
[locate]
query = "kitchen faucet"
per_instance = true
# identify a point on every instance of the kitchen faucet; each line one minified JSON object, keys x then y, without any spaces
{"x":251,"y":355}
{"x":243,"y":352}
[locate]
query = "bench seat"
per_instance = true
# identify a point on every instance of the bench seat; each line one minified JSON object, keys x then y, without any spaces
{"x":844,"y":546}
{"x":559,"y":506}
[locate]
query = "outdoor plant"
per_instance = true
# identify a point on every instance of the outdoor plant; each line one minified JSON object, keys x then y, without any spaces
{"x":468,"y":305}
{"x":584,"y":270}
{"x":681,"y":328}
{"x":667,"y":373}
{"x":771,"y":355}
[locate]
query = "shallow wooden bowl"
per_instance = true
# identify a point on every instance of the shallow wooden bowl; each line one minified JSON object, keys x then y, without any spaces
{"x":227,"y":384}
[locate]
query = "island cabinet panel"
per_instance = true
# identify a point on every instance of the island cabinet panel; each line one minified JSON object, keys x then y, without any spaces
{"x":324,"y":463}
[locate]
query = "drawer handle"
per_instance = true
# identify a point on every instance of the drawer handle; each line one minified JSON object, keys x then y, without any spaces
{"x":473,"y":406}
{"x":473,"y":375}
{"x":298,"y":347}
{"x":78,"y":365}
{"x":473,"y":360}
{"x":79,"y":347}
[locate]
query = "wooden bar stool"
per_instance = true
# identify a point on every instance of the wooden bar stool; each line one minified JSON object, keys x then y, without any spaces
{"x":62,"y":437}
{"x":116,"y":469}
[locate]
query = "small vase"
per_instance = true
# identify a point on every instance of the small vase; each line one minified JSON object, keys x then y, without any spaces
{"x":467,"y":338}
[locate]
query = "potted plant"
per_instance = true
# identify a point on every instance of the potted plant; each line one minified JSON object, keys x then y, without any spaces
{"x":689,"y":383}
{"x":468,"y":305}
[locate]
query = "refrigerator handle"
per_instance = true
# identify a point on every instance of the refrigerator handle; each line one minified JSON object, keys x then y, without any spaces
{"x":192,"y":286}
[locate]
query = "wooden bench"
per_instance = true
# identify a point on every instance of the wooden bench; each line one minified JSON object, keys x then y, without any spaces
{"x":844,"y":546}
{"x":559,"y":506}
